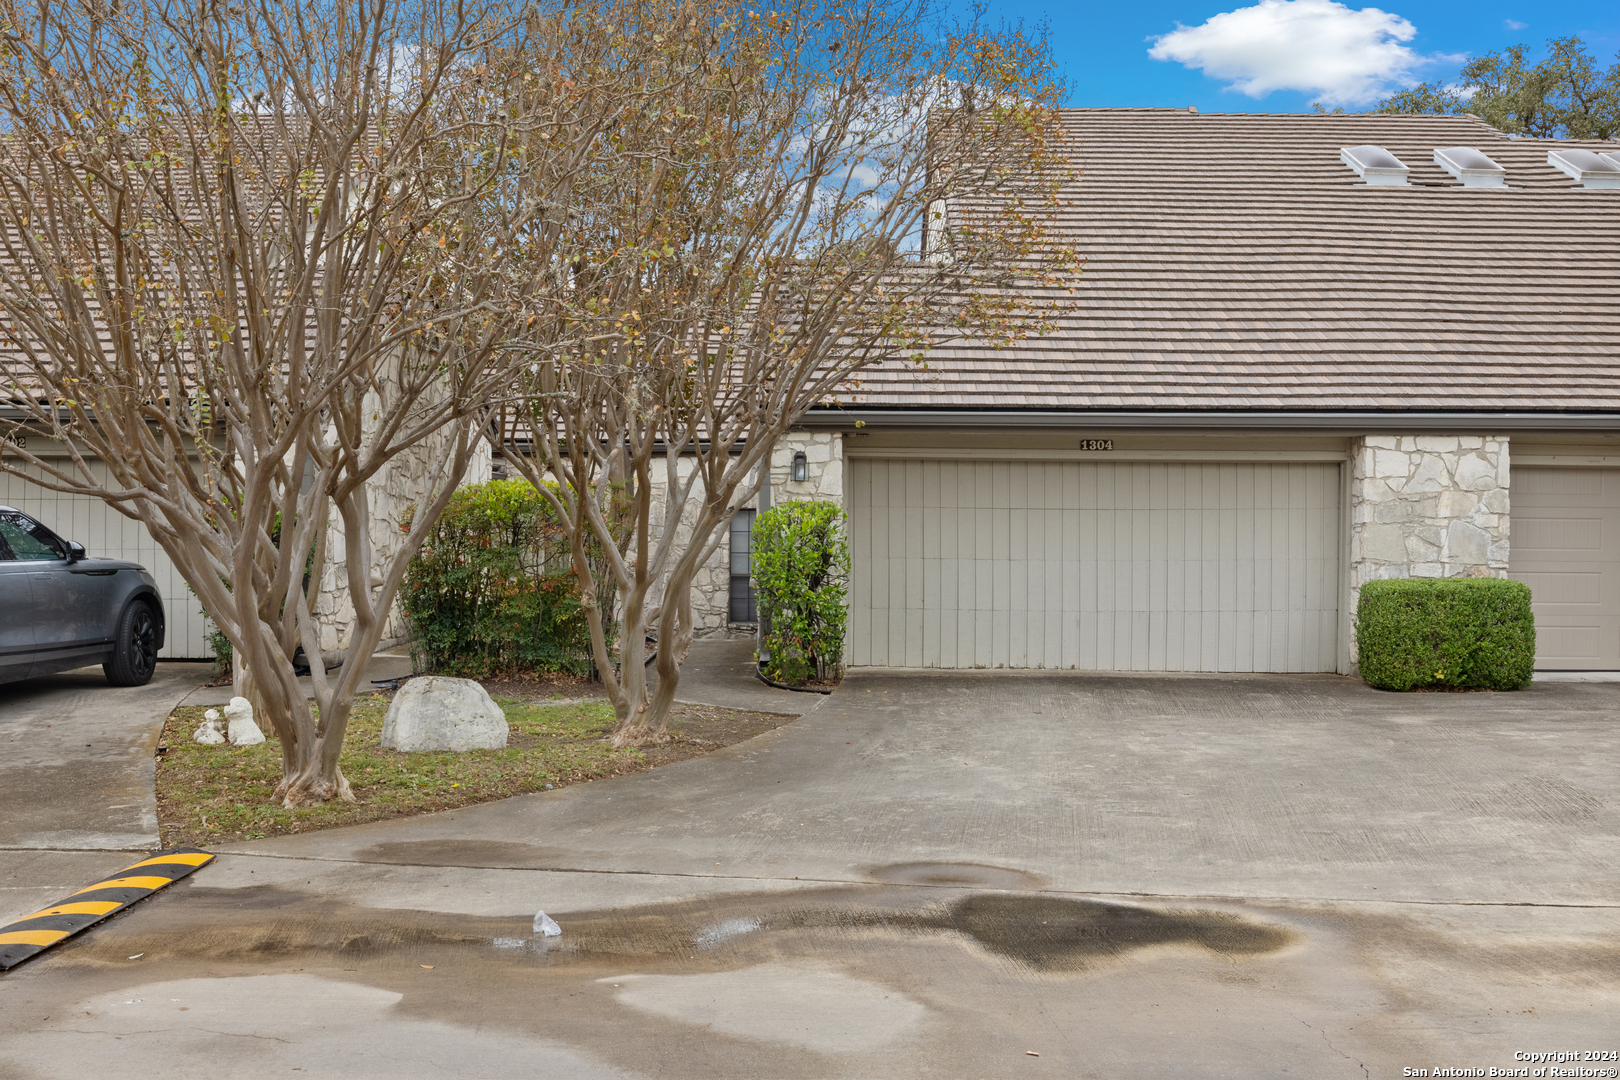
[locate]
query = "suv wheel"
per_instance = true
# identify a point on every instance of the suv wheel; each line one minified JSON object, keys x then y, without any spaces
{"x":134,"y":655}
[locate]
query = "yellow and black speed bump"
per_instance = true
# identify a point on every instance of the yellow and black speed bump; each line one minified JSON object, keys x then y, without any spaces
{"x":33,"y":934}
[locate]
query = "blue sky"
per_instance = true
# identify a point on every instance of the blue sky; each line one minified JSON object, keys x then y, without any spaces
{"x":1288,"y":53}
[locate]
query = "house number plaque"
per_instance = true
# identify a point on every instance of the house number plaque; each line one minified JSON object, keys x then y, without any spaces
{"x":19,"y":441}
{"x":1096,"y":444}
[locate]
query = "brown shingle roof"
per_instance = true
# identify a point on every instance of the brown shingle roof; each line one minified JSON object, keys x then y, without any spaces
{"x":1232,"y":262}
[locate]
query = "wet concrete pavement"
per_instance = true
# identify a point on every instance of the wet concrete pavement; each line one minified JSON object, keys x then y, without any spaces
{"x":77,"y":794}
{"x":77,"y":770}
{"x":825,"y":981}
{"x":925,"y":876}
{"x":76,"y":778}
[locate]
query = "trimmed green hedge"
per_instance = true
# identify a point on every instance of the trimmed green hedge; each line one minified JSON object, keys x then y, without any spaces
{"x":1462,"y":632}
{"x":493,"y":588}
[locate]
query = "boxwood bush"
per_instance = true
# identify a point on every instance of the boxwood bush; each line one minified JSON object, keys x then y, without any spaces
{"x":493,"y":588}
{"x":1455,"y":632}
{"x":801,"y":578}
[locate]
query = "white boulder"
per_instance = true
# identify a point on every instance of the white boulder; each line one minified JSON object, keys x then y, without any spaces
{"x":242,"y":730}
{"x":432,"y":712}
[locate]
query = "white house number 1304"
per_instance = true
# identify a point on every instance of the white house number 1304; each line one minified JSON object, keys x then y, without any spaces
{"x":1096,"y":444}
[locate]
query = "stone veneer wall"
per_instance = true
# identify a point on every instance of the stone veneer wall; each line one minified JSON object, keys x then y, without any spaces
{"x":711,"y":585}
{"x":1427,"y":506}
{"x":404,"y":482}
{"x":711,"y":622}
{"x":401,"y":483}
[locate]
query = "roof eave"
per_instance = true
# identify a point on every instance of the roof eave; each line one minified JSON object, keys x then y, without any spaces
{"x":851,"y":417}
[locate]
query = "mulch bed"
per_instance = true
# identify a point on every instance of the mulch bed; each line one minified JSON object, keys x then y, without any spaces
{"x":537,"y":686}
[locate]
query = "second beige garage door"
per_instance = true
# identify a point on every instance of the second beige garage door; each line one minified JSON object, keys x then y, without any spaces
{"x":1565,"y":544}
{"x":1137,"y":566}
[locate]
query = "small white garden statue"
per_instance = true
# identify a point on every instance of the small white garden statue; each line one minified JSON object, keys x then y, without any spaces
{"x":208,"y":732}
{"x":242,"y":731}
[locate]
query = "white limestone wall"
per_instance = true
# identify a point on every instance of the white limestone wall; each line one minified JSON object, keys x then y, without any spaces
{"x":402,"y":483}
{"x":710,"y":583}
{"x":824,"y":469}
{"x":1427,"y":506}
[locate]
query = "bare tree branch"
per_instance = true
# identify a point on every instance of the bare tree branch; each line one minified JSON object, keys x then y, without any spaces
{"x":813,"y":191}
{"x":253,"y":255}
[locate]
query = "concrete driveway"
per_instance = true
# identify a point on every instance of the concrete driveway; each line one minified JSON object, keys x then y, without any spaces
{"x":77,"y":773}
{"x":927,"y":875}
{"x":76,"y":776}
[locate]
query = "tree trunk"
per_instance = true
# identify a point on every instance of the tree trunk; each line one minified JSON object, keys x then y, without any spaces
{"x":638,"y":724}
{"x":669,"y":678}
{"x":311,"y":746}
{"x":645,"y":726}
{"x":310,"y":786}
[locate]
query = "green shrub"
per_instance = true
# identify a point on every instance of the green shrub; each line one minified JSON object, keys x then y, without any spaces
{"x":1462,"y":632}
{"x":220,"y":646}
{"x":801,"y":581}
{"x":493,"y":588}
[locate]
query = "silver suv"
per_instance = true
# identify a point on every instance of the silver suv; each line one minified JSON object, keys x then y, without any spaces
{"x":60,"y":609}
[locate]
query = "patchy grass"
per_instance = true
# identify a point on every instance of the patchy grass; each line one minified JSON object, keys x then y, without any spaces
{"x":208,"y":794}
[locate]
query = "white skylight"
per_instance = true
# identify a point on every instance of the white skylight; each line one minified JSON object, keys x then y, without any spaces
{"x":1471,"y":166}
{"x":1591,"y":170}
{"x":1375,"y":165}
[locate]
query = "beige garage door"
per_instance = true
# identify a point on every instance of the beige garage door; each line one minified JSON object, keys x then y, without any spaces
{"x":1151,"y":566}
{"x":107,"y":533}
{"x":1565,"y":545}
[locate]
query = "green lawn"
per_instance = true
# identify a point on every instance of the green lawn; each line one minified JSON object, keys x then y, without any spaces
{"x":211,"y":793}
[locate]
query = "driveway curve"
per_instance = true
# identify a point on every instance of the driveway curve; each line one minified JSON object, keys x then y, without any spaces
{"x":925,"y":876}
{"x":1247,"y":786}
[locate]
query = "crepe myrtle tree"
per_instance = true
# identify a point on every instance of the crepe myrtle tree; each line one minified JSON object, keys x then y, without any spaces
{"x":818,"y":189}
{"x":249,"y":256}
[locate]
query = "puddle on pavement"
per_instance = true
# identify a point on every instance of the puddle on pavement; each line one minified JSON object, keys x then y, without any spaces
{"x":472,"y":853}
{"x":1042,"y":932}
{"x":1055,"y":934}
{"x":782,"y":983}
{"x":960,"y":875}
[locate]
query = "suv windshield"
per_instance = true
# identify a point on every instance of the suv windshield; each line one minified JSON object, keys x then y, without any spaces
{"x":28,"y":539}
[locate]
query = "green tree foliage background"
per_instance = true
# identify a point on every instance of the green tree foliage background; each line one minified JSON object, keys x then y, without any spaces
{"x":1564,"y":96}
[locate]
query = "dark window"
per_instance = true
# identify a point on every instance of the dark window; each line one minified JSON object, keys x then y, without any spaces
{"x":29,"y":540}
{"x":742,"y":548}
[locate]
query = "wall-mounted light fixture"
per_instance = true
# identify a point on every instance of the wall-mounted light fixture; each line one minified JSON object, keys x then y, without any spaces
{"x":801,"y":468}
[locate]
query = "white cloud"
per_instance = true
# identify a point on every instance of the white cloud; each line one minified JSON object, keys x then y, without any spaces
{"x":1514,"y":24}
{"x":1335,"y":53}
